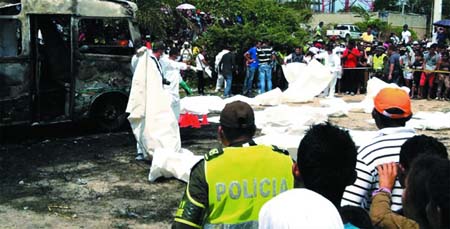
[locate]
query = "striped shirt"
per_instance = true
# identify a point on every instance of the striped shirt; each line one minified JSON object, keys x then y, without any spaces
{"x":382,"y":149}
{"x":264,"y":54}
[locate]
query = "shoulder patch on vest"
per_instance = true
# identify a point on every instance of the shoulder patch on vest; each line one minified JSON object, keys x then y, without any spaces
{"x":283,"y":151}
{"x":213,"y":154}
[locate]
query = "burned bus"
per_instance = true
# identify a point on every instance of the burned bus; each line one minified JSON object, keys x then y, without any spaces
{"x":66,"y":60}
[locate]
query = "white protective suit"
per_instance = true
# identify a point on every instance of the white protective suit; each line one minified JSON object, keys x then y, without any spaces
{"x":333,"y":63}
{"x":171,"y":71}
{"x":151,"y":118}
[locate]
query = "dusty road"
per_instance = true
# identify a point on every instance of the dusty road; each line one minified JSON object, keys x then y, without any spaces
{"x":65,"y":177}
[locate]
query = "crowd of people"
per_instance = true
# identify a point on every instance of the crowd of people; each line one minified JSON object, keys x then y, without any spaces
{"x":423,"y":66}
{"x":397,"y":180}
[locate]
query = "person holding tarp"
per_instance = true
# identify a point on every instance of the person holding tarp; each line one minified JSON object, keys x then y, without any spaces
{"x":333,"y":62}
{"x":229,"y":186}
{"x":151,"y":118}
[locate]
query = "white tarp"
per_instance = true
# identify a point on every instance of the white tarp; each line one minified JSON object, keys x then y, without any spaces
{"x":293,"y":71}
{"x":250,"y":101}
{"x":285,"y":119}
{"x":201,"y":105}
{"x":291,"y":142}
{"x":430,"y":121}
{"x":335,"y":107}
{"x":307,"y":82}
{"x":154,"y":124}
{"x":374,"y":86}
{"x":167,"y":163}
{"x":270,"y":98}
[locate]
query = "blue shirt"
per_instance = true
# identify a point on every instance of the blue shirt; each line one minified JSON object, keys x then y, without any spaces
{"x":254,"y":56}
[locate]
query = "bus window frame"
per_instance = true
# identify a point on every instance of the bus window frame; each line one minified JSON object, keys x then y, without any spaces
{"x":127,"y":50}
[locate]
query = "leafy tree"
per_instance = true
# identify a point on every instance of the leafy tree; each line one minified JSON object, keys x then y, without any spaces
{"x":157,"y":18}
{"x":262,"y":19}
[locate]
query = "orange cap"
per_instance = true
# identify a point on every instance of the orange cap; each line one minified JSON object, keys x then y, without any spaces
{"x":389,"y":98}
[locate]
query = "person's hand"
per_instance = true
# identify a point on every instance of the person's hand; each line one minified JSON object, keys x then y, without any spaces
{"x":141,"y":51}
{"x":390,"y":77}
{"x":192,"y":68}
{"x":387,"y":174}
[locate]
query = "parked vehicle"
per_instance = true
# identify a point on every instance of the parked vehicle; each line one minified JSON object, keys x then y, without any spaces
{"x":65,"y":60}
{"x":345,"y":31}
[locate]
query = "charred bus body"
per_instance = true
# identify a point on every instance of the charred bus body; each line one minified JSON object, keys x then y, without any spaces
{"x":66,"y":60}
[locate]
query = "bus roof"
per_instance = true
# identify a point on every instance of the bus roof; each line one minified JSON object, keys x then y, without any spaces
{"x":94,"y":8}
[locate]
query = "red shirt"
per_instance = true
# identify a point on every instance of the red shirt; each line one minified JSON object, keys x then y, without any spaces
{"x":352,"y":58}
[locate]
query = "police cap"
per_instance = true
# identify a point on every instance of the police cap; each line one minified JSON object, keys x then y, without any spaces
{"x":237,"y":114}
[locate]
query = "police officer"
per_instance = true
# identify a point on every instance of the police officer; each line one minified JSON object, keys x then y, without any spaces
{"x":229,"y":186}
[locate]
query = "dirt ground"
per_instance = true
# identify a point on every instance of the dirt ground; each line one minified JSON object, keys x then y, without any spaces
{"x":63,"y":176}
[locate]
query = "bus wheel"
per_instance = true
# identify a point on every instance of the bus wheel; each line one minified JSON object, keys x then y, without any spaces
{"x":108,"y":113}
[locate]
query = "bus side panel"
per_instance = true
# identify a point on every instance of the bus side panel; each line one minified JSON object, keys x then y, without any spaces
{"x":98,"y":74}
{"x":14,"y":91}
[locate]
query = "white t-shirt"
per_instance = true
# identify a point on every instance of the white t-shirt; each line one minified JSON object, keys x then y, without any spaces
{"x":406,"y":35}
{"x":299,"y":208}
{"x":199,"y":62}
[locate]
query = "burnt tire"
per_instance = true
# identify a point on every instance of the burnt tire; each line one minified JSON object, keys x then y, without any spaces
{"x":108,"y":113}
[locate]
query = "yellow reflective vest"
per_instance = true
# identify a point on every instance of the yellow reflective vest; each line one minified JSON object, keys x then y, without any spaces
{"x":378,"y":61}
{"x":241,"y":180}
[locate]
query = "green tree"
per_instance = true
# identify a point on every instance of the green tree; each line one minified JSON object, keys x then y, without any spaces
{"x":157,"y":17}
{"x":263,"y":19}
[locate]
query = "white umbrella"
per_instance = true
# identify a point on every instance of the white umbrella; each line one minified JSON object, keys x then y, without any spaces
{"x":185,"y":6}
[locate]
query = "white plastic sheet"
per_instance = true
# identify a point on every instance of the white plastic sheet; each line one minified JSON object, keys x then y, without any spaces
{"x":293,"y":71}
{"x":154,"y":124}
{"x":270,"y":98}
{"x":250,"y":101}
{"x":291,"y":142}
{"x":152,"y":120}
{"x":167,"y":163}
{"x":374,"y":86}
{"x":201,"y":105}
{"x":285,"y":119}
{"x":430,"y":121}
{"x":307,"y":82}
{"x":335,"y":107}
